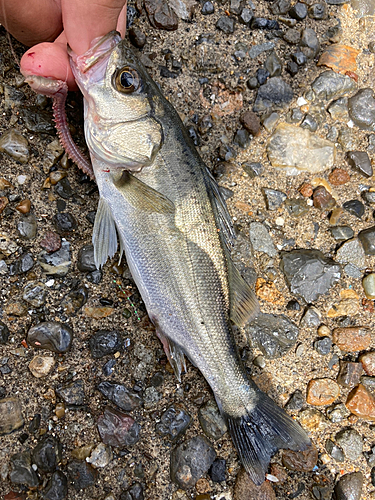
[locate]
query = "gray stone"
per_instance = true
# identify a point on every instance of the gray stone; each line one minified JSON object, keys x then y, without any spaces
{"x":100,"y":456}
{"x":311,"y":318}
{"x":35,"y":293}
{"x":362,"y":109}
{"x":309,"y":273}
{"x":349,"y":486}
{"x":330,"y":85}
{"x":352,"y":271}
{"x":56,"y":263}
{"x":338,"y":413}
{"x":273,"y":334}
{"x":318,"y":11}
{"x":173,"y":422}
{"x":27,"y":226}
{"x":367,"y":238}
{"x":121,"y":396}
{"x":190,"y":461}
{"x":211,"y":421}
{"x":342,"y":233}
{"x":361,"y":162}
{"x":73,"y":393}
{"x":354,"y":207}
{"x":15,"y":145}
{"x":273,"y":64}
{"x":351,"y":252}
{"x":296,"y":402}
{"x":261,"y":239}
{"x":104,"y":342}
{"x":57,"y":487}
{"x":309,"y":43}
{"x":47,"y":453}
{"x":339,"y":109}
{"x":274,"y":199}
{"x":323,"y":346}
{"x":335,"y":451}
{"x":351,"y":443}
{"x":21,"y":470}
{"x":151,"y":397}
{"x":270,"y":121}
{"x":225,"y":24}
{"x":276,"y":93}
{"x":256,"y":50}
{"x":51,"y":335}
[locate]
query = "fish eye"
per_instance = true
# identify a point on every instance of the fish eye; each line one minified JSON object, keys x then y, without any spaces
{"x":127,"y":80}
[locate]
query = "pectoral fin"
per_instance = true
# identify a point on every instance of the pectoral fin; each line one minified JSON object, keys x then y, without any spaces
{"x":143,"y":197}
{"x":104,"y":236}
{"x":244,"y":305}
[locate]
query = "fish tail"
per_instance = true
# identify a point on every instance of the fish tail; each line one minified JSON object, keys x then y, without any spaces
{"x":260,"y":432}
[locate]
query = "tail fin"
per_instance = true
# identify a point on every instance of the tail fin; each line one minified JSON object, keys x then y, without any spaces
{"x":261,"y":432}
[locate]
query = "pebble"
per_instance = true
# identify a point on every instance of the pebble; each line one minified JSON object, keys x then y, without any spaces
{"x":121,"y":396}
{"x":251,"y":122}
{"x":72,"y":393}
{"x":51,"y":242}
{"x":311,"y":318}
{"x":53,"y":152}
{"x":208,"y":8}
{"x":190,"y":461}
{"x":11,"y":417}
{"x":51,"y":335}
{"x":292,"y":36}
{"x":303,"y":461}
{"x":350,"y":374}
{"x":22,"y":265}
{"x":360,"y":161}
{"x":38,"y":121}
{"x":322,"y":199}
{"x":256,"y":50}
{"x":309,"y":123}
{"x":217,"y":471}
{"x":262,"y":23}
{"x":273,"y":334}
{"x":100,"y":456}
{"x":137,"y":37}
{"x":24,"y":206}
{"x":85,"y":259}
{"x":330,"y":85}
{"x":322,"y":391}
{"x":47,"y":454}
{"x":7,"y":246}
{"x":367,"y":238}
{"x":273,"y":64}
{"x":337,"y":413}
{"x":246,"y":16}
{"x":57,"y":487}
{"x":35,"y":293}
{"x":361,"y":402}
{"x":362,"y":109}
{"x":369,"y":197}
{"x":341,"y":233}
{"x":81,"y":474}
{"x":354,"y":207}
{"x":352,"y":339}
{"x":135,"y":492}
{"x":309,"y":273}
{"x":161,"y":15}
{"x":21,"y":470}
{"x":211,"y":421}
{"x":310,"y":43}
{"x":318,"y":11}
{"x":270,"y":122}
{"x":4,"y":333}
{"x":40,"y":366}
{"x":368,"y":362}
{"x":261,"y":240}
{"x":296,"y":401}
{"x":349,"y":486}
{"x":275,"y":93}
{"x":118,"y":429}
{"x":64,"y":222}
{"x":352,"y":252}
{"x":56,"y":263}
{"x":15,"y":145}
{"x":298,"y":11}
{"x":368,"y":284}
{"x":173,"y":422}
{"x":351,"y":443}
{"x":338,"y":177}
{"x":225,"y":24}
{"x":293,"y":147}
{"x":334,"y":451}
{"x":242,"y":138}
{"x":273,"y":198}
{"x":104,"y":342}
{"x":323,"y":346}
{"x":338,"y":109}
{"x":245,"y":489}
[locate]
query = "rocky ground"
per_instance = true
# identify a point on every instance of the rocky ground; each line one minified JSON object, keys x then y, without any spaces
{"x":278,"y":98}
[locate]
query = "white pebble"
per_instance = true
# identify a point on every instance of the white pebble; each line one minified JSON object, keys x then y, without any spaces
{"x":301,"y":101}
{"x":279,"y":221}
{"x":21,"y":179}
{"x":350,"y":124}
{"x":50,"y":283}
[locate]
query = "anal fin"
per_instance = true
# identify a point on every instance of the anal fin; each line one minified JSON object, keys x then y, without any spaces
{"x":174,"y":354}
{"x":104,"y":236}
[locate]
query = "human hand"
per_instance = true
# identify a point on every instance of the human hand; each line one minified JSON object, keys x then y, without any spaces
{"x":48,"y":25}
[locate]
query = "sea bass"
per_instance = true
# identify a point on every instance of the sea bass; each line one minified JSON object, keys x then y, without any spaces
{"x":159,"y":199}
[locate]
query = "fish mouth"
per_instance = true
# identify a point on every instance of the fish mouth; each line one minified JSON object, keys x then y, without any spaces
{"x":98,"y":53}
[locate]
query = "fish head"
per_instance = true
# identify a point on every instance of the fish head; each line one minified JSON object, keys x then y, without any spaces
{"x":121,"y":105}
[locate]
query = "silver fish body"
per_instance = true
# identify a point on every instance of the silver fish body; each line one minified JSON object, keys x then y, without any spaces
{"x":158,"y":196}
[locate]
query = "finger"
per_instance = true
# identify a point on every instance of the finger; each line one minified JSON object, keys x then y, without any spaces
{"x":85,"y":20}
{"x":49,"y":60}
{"x":31,"y":21}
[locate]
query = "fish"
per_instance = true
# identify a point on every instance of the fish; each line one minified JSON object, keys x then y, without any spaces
{"x":160,"y":202}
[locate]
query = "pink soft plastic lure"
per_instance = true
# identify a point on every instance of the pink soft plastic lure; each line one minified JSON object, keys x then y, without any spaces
{"x":58,"y":91}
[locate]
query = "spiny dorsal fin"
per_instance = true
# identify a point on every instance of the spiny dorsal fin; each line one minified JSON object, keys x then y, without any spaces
{"x":104,"y":236}
{"x":143,"y":197}
{"x":244,"y":305}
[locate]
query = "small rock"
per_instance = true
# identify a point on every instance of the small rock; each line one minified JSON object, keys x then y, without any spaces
{"x":207,"y":8}
{"x":260,"y":23}
{"x":338,"y":109}
{"x":56,"y":263}
{"x":241,"y":138}
{"x":323,"y":199}
{"x":173,"y":422}
{"x":100,"y":456}
{"x":24,"y":206}
{"x":73,"y":393}
{"x":22,"y":265}
{"x":335,"y":452}
{"x":303,"y":461}
{"x":218,"y":470}
{"x":81,"y":474}
{"x":273,"y":334}
{"x":298,"y":11}
{"x":270,"y":122}
{"x":310,"y":43}
{"x":296,"y":401}
{"x":367,"y":238}
{"x":245,"y":489}
{"x":105,"y":342}
{"x":337,"y":413}
{"x":21,"y":470}
{"x":137,"y":37}
{"x":351,"y":252}
{"x":360,"y":161}
{"x":274,"y":198}
{"x":190,"y":461}
{"x":311,"y":419}
{"x":161,"y":15}
{"x":246,"y":16}
{"x":135,"y":492}
{"x":64,"y":222}
{"x":361,"y":402}
{"x":351,"y":443}
{"x":40,"y":366}
{"x":256,"y":50}
{"x":352,"y":339}
{"x":35,"y":293}
{"x":211,"y":421}
{"x":51,"y":242}
{"x":368,"y":362}
{"x":118,"y":429}
{"x":311,"y":318}
{"x":322,"y":391}
{"x":251,"y":122}
{"x":294,"y":147}
{"x":11,"y":417}
{"x":350,"y":374}
{"x":292,"y":36}
{"x":273,"y":64}
{"x":330,"y":85}
{"x":276,"y":93}
{"x":4,"y":333}
{"x":338,"y":177}
{"x":349,"y":486}
{"x":323,"y":346}
{"x":15,"y":145}
{"x":261,"y":239}
{"x":342,"y":233}
{"x":225,"y":24}
{"x":57,"y":487}
{"x":85,"y":259}
{"x":51,"y":335}
{"x":318,"y":11}
{"x":47,"y":454}
{"x":362,"y":109}
{"x":308,"y":273}
{"x":121,"y":396}
{"x":38,"y":121}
